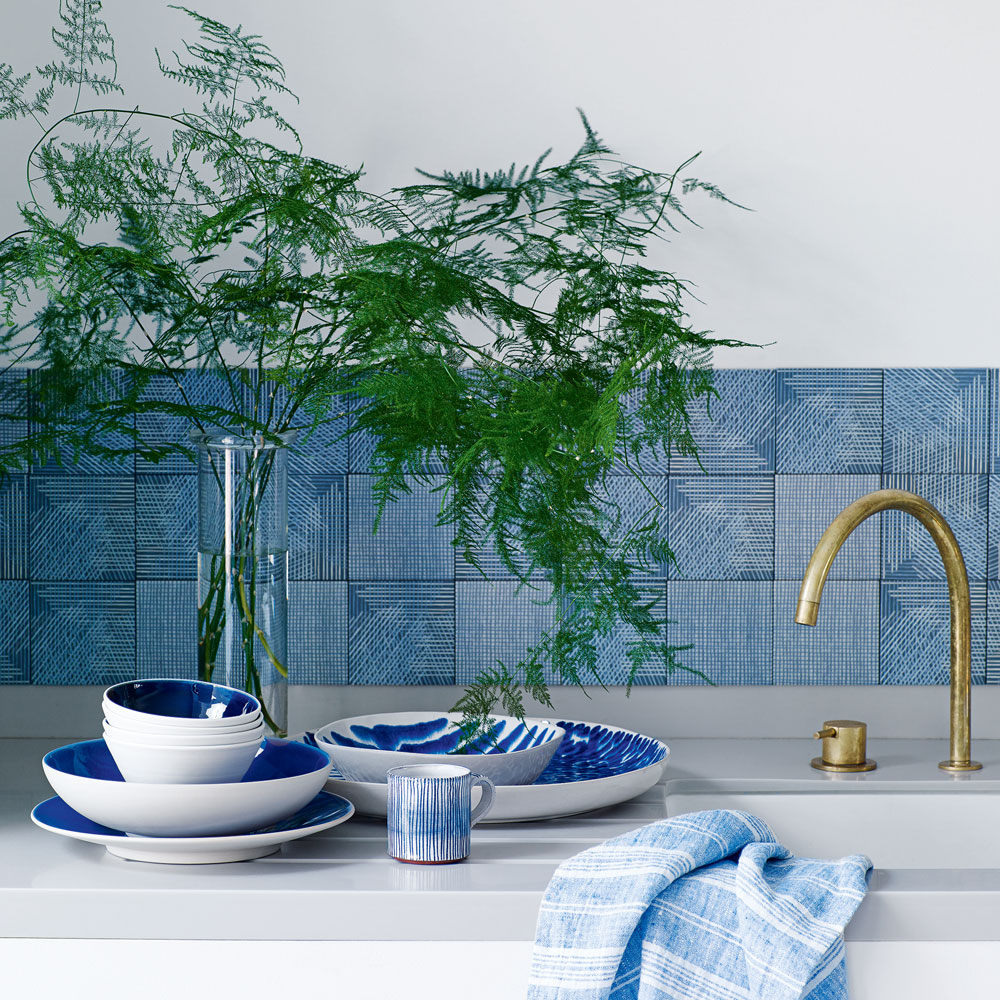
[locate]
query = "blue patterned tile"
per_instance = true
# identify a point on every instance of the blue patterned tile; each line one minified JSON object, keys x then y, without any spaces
{"x":496,"y":622}
{"x":909,"y":551}
{"x":993,"y":531}
{"x":935,"y":420}
{"x":322,"y":449}
{"x":632,"y":505}
{"x":916,"y":632}
{"x":317,"y":527}
{"x":993,"y":632}
{"x":488,"y":564}
{"x":735,"y":433}
{"x":82,"y":633}
{"x":722,"y":527}
{"x":409,"y":544}
{"x":361,"y":446}
{"x":829,"y":420}
{"x":842,"y":648}
{"x":401,"y":633}
{"x":166,"y":527}
{"x":159,"y":429}
{"x":14,"y":528}
{"x":613,"y":665}
{"x":728,"y":625}
{"x":13,"y":407}
{"x":112,"y":387}
{"x":82,"y":528}
{"x":15,"y":664}
{"x":317,"y":633}
{"x":166,"y":630}
{"x":649,"y":460}
{"x":804,"y":506}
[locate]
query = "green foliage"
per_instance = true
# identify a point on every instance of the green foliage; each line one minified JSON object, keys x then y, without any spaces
{"x":503,"y":326}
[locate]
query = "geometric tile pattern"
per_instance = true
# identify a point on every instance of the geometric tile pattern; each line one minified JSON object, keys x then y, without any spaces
{"x":15,"y":665}
{"x":317,"y":632}
{"x":166,"y":628}
{"x":829,"y":420}
{"x":82,"y":633}
{"x":722,"y":527}
{"x":166,"y":527}
{"x":935,"y":420}
{"x":14,"y":528}
{"x":98,"y":558}
{"x":734,"y":433}
{"x":841,"y":648}
{"x":803,"y":508}
{"x":82,"y":527}
{"x":916,"y":632}
{"x":494,"y":622}
{"x":401,"y":633}
{"x":409,"y":544}
{"x":727,"y":624}
{"x":908,"y":550}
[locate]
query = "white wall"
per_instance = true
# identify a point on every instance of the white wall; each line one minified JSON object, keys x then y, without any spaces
{"x":860,"y":132}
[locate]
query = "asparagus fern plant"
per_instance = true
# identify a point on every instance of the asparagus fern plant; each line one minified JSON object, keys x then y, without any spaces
{"x":504,"y":329}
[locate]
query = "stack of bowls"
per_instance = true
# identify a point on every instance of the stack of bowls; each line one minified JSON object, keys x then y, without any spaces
{"x":181,"y":732}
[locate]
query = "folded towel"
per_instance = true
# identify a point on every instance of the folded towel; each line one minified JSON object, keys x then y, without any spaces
{"x":704,"y":906}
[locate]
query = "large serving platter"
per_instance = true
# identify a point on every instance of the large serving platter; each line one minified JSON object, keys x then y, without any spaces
{"x":595,"y":766}
{"x":326,"y":810}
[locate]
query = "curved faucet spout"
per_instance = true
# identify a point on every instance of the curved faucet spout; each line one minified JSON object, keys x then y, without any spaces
{"x":958,"y":598}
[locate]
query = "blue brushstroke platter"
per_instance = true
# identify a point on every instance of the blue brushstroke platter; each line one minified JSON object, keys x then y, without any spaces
{"x":595,"y":766}
{"x":324,"y":811}
{"x":365,"y":747}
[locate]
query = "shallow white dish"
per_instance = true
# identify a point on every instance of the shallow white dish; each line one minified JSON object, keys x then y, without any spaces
{"x":184,"y":737}
{"x":281,"y":780}
{"x":365,"y":747}
{"x":181,"y":765}
{"x":198,"y":705}
{"x":324,"y":811}
{"x":596,"y":766}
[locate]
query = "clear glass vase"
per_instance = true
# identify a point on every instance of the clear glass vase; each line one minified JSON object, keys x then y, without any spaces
{"x":243,"y":566}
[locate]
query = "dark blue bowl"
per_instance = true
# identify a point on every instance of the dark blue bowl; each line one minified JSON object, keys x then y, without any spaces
{"x":175,"y":699}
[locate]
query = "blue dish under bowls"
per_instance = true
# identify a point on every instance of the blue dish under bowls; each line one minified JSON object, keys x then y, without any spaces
{"x":283,"y":777}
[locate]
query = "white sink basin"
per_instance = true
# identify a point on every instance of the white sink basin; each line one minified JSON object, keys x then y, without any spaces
{"x":946,"y":826}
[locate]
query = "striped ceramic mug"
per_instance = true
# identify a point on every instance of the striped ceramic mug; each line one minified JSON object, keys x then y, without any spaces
{"x":429,"y":812}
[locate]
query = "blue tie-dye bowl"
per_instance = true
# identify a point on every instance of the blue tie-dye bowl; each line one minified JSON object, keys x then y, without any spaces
{"x":363,"y":748}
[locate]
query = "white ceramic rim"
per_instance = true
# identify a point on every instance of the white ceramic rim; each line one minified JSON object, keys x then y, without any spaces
{"x":130,"y":725}
{"x":166,"y":748}
{"x":192,"y":742}
{"x":321,"y":734}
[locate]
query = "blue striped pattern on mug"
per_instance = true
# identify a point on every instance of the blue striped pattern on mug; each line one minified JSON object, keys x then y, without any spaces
{"x":428,"y":813}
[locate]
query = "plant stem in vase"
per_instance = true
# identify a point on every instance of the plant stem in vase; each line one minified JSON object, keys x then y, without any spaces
{"x":243,"y":566}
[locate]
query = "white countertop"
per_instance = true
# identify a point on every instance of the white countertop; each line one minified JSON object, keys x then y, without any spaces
{"x":340,"y":885}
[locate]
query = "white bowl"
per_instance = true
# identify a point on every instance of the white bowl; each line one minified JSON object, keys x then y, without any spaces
{"x":130,"y":725}
{"x":199,"y":705}
{"x":167,"y":765}
{"x":254,"y":734}
{"x":364,"y":747}
{"x":282,"y":779}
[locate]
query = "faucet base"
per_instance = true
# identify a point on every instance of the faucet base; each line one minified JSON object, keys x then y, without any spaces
{"x":822,"y":765}
{"x":957,"y":766}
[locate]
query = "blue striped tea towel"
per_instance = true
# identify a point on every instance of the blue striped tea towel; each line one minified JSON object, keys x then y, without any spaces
{"x":704,"y":906}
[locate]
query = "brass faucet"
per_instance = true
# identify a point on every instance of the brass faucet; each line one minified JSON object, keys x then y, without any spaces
{"x":958,"y":598}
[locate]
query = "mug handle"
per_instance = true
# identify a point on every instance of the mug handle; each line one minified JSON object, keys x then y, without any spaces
{"x":485,"y":798}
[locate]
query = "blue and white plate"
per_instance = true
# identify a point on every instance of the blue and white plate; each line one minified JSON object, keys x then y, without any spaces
{"x":595,"y":766}
{"x":325,"y":810}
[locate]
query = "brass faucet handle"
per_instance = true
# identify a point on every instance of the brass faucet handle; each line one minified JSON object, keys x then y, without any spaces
{"x":844,"y":746}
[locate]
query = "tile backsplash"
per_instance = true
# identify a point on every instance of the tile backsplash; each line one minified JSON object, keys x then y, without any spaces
{"x":97,"y":562}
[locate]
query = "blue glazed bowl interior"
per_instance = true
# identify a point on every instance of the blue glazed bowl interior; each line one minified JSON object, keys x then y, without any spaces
{"x":178,"y":699}
{"x":441,"y":736}
{"x":277,"y":759}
